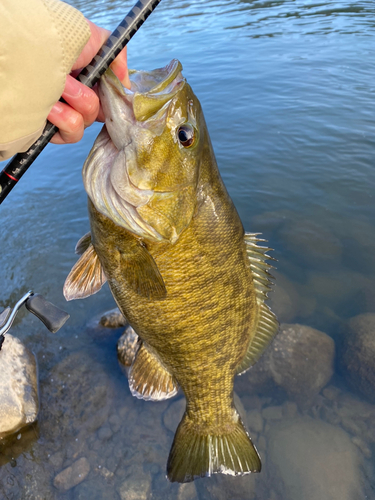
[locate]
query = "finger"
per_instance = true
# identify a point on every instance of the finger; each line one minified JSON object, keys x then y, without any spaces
{"x":69,"y":122}
{"x":82,"y":99}
{"x":120,"y":68}
{"x":98,"y":37}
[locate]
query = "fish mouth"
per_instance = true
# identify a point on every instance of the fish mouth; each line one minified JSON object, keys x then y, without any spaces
{"x":135,"y":115}
{"x":149,"y":92}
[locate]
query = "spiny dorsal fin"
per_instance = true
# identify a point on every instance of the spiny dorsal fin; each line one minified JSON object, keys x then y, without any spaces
{"x":86,"y":277}
{"x":148,"y":379}
{"x":83,"y":244}
{"x":141,"y":272}
{"x":267,"y":324}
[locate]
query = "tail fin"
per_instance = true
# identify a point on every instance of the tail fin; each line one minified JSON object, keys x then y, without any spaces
{"x":196,"y":455}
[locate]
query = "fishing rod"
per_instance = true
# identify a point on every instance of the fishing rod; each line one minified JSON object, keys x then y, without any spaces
{"x":89,"y":76}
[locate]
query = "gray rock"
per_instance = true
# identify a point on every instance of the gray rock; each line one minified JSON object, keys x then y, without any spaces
{"x":289,"y":299}
{"x":73,"y":475}
{"x":137,"y":485}
{"x":105,"y":433}
{"x":302,"y":360}
{"x":19,"y":402}
{"x":187,"y":491}
{"x":96,"y":489}
{"x":113,"y":319}
{"x":272,"y":413}
{"x":357,"y":354}
{"x":314,"y":460}
{"x":258,"y":379}
{"x":255,"y":420}
{"x":223,"y":487}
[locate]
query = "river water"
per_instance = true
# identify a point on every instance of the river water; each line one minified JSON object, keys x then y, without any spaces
{"x":288,"y":91}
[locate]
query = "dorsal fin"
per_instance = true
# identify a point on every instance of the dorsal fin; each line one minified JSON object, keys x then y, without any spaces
{"x":148,"y":379}
{"x":86,"y":277}
{"x":267,"y":324}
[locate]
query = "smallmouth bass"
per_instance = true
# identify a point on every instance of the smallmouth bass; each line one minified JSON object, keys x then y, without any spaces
{"x":192,"y":284}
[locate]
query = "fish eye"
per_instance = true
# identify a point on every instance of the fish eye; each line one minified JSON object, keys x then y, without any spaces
{"x":186,"y":135}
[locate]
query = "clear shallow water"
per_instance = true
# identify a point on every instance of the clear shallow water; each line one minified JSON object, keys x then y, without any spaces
{"x":288,"y":92}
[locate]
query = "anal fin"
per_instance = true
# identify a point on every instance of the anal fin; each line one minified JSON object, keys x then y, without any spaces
{"x":148,"y":379}
{"x":267,"y":325}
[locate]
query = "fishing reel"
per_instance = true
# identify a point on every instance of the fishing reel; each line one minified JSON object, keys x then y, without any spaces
{"x":53,"y":317}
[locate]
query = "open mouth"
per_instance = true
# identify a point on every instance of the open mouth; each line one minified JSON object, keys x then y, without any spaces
{"x":150,"y":90}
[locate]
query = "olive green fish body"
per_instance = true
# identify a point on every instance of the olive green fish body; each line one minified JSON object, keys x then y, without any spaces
{"x":192,"y":284}
{"x":202,"y":328}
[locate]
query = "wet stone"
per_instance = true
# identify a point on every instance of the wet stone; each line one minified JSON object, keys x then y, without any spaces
{"x":96,"y":489}
{"x":187,"y":491}
{"x":113,"y":319}
{"x":314,"y":460}
{"x":137,"y":485}
{"x":105,"y":433}
{"x":284,"y":299}
{"x":224,"y":487}
{"x":302,"y":360}
{"x":73,"y":475}
{"x":272,"y":413}
{"x":57,"y":459}
{"x":290,"y":409}
{"x":19,"y":402}
{"x":255,"y":420}
{"x":357,"y":354}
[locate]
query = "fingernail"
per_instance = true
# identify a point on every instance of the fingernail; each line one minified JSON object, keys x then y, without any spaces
{"x":72,"y":87}
{"x":57,"y":108}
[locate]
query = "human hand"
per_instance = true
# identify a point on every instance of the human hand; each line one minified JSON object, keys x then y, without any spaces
{"x":83,"y":106}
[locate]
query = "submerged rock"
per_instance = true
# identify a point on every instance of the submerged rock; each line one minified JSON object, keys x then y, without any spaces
{"x":113,"y":319}
{"x":73,"y":475}
{"x":224,"y":487}
{"x":357,"y":354}
{"x":314,"y":460}
{"x":310,"y":242}
{"x":136,"y":486}
{"x":300,"y":360}
{"x":19,"y":402}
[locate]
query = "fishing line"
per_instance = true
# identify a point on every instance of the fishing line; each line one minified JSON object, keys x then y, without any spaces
{"x":89,"y":76}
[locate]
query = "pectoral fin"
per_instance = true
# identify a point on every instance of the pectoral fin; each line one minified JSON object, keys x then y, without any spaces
{"x":148,"y":379}
{"x":83,"y":244}
{"x":86,"y":277}
{"x":141,"y":273}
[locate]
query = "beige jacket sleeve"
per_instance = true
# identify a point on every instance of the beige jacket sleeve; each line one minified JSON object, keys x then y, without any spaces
{"x":39,"y":42}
